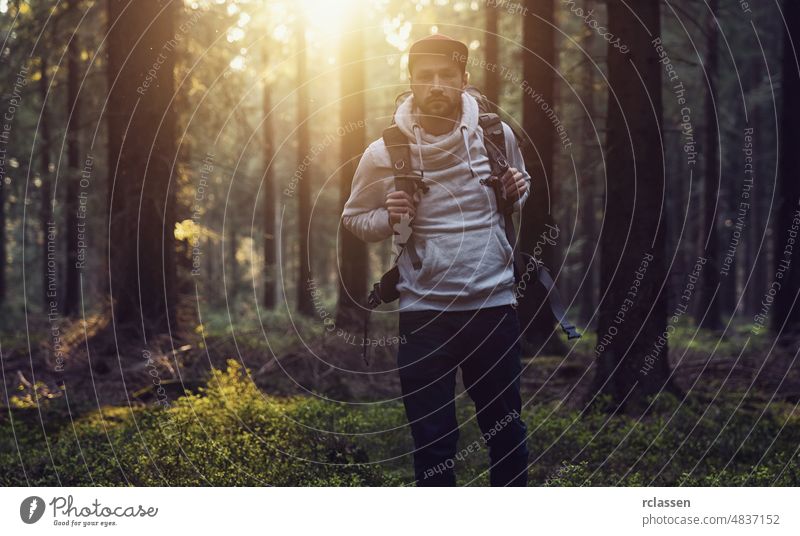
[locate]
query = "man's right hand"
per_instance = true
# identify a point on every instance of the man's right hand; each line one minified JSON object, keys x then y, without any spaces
{"x":398,"y":204}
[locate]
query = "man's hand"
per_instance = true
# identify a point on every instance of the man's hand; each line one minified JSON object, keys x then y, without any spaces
{"x":514,"y":184}
{"x":398,"y":204}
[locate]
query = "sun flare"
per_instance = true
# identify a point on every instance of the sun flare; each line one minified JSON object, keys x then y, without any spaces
{"x":329,"y":15}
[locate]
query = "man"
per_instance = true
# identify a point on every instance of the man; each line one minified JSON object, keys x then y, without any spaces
{"x":457,"y":306}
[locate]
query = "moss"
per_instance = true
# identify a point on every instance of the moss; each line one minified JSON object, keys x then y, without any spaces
{"x":230,"y":433}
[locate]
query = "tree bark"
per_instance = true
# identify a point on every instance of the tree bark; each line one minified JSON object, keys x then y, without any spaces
{"x":72,"y":290}
{"x":354,"y":263}
{"x":3,"y":247}
{"x":709,"y":302}
{"x":141,"y":142}
{"x":537,"y":219}
{"x":491,"y":74}
{"x":586,"y":199}
{"x":231,"y":247}
{"x":631,"y":359}
{"x":268,"y":199}
{"x":304,"y":304}
{"x":786,"y":314}
{"x":46,"y":207}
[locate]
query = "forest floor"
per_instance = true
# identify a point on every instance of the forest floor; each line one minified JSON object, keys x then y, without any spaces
{"x":300,"y":360}
{"x":295,"y":356}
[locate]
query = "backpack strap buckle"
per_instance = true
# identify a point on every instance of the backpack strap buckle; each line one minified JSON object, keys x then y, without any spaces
{"x":495,"y":141}
{"x":405,"y":180}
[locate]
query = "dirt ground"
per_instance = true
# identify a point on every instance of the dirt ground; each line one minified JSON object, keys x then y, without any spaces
{"x":101,"y":368}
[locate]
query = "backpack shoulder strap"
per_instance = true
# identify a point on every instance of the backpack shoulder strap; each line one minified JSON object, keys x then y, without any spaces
{"x":400,"y":155}
{"x":494,"y":138}
{"x":404,"y":178}
{"x":495,"y":141}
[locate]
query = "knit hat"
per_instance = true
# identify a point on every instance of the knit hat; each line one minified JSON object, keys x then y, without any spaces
{"x":452,"y":49}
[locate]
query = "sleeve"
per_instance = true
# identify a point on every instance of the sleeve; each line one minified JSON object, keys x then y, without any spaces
{"x":364,"y":213}
{"x":515,"y":160}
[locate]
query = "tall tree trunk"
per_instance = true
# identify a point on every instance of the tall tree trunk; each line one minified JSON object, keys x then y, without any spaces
{"x":46,"y":207}
{"x":709,"y":306}
{"x":72,"y":279}
{"x":141,"y":141}
{"x":537,"y":220}
{"x":587,"y":190}
{"x":3,"y":247}
{"x":786,"y":315}
{"x":631,"y":359}
{"x":730,"y":285}
{"x":354,"y":264}
{"x":232,"y":246}
{"x":491,"y":75}
{"x":268,"y":199}
{"x":304,"y":304}
{"x":758,"y":277}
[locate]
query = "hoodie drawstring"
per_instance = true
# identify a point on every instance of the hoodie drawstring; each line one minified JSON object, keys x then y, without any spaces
{"x":465,"y":136}
{"x":416,"y":129}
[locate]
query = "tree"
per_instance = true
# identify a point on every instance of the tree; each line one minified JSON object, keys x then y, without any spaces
{"x":786,"y":314}
{"x":141,"y":147}
{"x":3,"y":245}
{"x":353,"y":265}
{"x":46,"y":206}
{"x":268,"y":199}
{"x":587,"y":201}
{"x":491,"y":81}
{"x":631,"y":357}
{"x":709,"y":299}
{"x":537,"y":219}
{"x":304,"y":304}
{"x":72,"y":279}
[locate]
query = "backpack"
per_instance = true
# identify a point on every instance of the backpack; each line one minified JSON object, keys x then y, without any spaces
{"x":408,"y":180}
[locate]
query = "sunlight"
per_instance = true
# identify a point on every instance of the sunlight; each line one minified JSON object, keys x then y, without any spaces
{"x":327,"y":15}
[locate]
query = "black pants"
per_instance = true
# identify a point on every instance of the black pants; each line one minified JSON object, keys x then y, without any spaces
{"x":485,"y":344}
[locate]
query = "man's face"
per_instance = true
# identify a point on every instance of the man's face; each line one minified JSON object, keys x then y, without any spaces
{"x":437,"y":83}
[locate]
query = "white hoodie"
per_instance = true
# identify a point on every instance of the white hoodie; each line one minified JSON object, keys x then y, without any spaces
{"x":458,"y":232}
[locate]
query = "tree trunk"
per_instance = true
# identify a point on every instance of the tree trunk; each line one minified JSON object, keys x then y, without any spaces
{"x":586,"y":199}
{"x":3,"y":251}
{"x":49,"y":270}
{"x":491,"y":74}
{"x":757,"y":246}
{"x":354,"y":264}
{"x":304,"y":304}
{"x":537,"y":228}
{"x":230,"y":248}
{"x":3,"y":239}
{"x":72,"y":290}
{"x":709,"y":302}
{"x":141,"y":142}
{"x":631,"y":355}
{"x":786,"y":315}
{"x":268,"y":199}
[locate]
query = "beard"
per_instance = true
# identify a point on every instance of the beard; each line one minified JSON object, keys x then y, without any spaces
{"x":439,"y":106}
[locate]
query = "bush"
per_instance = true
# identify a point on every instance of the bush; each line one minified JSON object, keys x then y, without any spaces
{"x":228,"y":434}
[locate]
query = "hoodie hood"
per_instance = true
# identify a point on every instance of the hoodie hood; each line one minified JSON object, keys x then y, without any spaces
{"x":451,"y":149}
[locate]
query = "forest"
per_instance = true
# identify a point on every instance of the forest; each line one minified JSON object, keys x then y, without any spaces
{"x":181,"y":305}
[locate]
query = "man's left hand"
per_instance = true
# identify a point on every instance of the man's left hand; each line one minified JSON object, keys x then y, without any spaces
{"x":514,"y":184}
